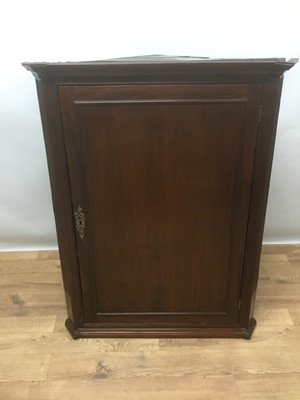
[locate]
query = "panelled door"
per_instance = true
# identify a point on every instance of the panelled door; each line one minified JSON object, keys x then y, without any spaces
{"x":160,"y":181}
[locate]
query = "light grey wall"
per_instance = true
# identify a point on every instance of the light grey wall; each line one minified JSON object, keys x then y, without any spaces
{"x":90,"y":30}
{"x":283,"y":212}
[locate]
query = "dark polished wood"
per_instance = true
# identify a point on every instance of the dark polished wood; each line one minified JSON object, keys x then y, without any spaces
{"x":164,"y":164}
{"x":96,"y":331}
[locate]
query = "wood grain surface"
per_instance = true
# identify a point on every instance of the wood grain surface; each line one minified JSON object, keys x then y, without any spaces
{"x":40,"y":361}
{"x":163,"y":173}
{"x":158,"y":161}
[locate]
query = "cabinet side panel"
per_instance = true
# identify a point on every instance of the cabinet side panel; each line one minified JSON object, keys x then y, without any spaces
{"x":55,"y":149}
{"x":259,"y":197}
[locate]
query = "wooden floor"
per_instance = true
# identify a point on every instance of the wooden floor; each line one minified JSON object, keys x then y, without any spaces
{"x":39,"y":360}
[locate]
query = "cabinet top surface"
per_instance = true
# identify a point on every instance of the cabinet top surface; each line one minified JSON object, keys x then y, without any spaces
{"x":155,"y":65}
{"x":158,"y":58}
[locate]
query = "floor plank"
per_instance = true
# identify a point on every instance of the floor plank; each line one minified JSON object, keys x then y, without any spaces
{"x":48,"y":255}
{"x":286,"y":274}
{"x":29,"y":266}
{"x":46,"y":343}
{"x":31,"y":298}
{"x":38,"y":310}
{"x":31,"y":281}
{"x":272,"y":291}
{"x":60,"y":322}
{"x":19,"y":367}
{"x":295,"y":315}
{"x":11,"y":325}
{"x":290,"y":250}
{"x":273,"y":317}
{"x":268,"y":386}
{"x":18,"y":255}
{"x":178,"y":363}
{"x":149,"y":388}
{"x":16,"y":390}
{"x":40,"y":361}
{"x":274,"y":260}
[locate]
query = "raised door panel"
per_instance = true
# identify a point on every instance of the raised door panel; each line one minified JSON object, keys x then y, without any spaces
{"x":163,"y":177}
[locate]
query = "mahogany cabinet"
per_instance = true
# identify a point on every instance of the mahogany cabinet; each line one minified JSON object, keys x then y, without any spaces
{"x":159,"y":172}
